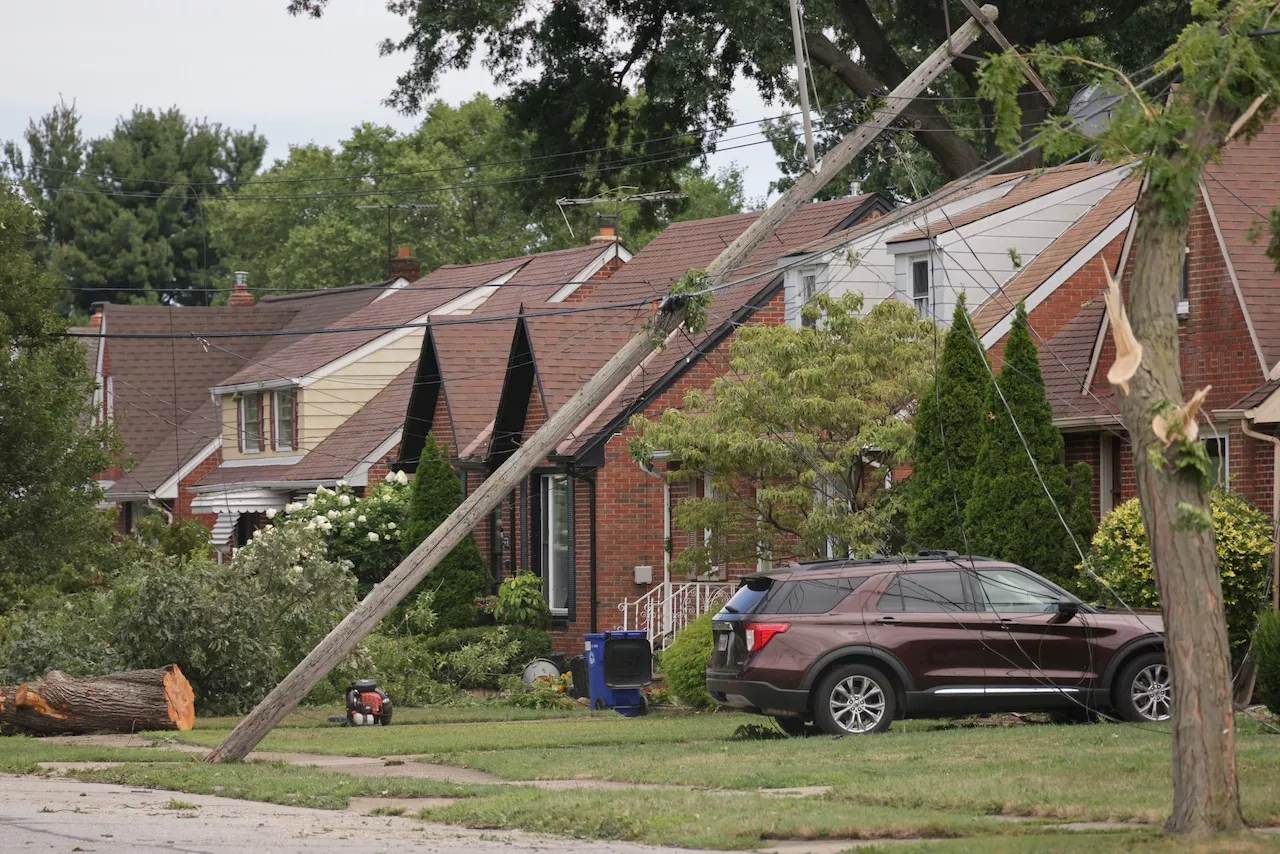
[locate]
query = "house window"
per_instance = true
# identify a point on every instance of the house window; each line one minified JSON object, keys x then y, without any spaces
{"x":282,"y":412}
{"x":920,"y":287}
{"x":251,"y":423}
{"x":1219,"y":470}
{"x":808,"y":288}
{"x":555,"y":541}
{"x":1184,"y":285}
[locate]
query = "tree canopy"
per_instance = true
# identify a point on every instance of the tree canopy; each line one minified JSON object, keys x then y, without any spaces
{"x":572,"y":64}
{"x":49,"y":523}
{"x":124,"y":214}
{"x":461,"y":183}
{"x":800,"y":439}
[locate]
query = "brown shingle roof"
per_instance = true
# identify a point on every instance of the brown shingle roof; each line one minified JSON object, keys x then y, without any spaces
{"x":568,"y":349}
{"x":1048,"y":262}
{"x":1064,"y":362}
{"x":472,"y":361}
{"x":1031,"y":187}
{"x":1244,"y":186}
{"x":696,"y":243}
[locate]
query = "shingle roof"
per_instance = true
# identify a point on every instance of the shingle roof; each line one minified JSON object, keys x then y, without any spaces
{"x":694,"y":244}
{"x":1258,"y":396}
{"x":175,"y":450}
{"x":472,"y":361}
{"x":1244,"y":185}
{"x":1064,"y":362}
{"x":568,"y":349}
{"x":1033,"y":186}
{"x":1048,"y":262}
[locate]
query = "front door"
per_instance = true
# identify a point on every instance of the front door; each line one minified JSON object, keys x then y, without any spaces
{"x":1032,"y":651}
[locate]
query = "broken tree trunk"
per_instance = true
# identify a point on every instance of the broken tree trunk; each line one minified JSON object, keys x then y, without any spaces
{"x":405,"y":578}
{"x":132,"y":701}
{"x":1175,"y":512}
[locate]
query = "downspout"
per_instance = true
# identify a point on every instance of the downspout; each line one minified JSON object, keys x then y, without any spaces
{"x":591,"y":534}
{"x":1275,"y":505}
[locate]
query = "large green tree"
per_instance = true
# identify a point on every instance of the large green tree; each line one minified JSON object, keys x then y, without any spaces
{"x":1008,"y":515}
{"x":124,"y":214}
{"x":50,"y":528}
{"x":571,"y":64}
{"x":948,"y":440}
{"x":314,"y":219}
{"x":800,"y":438}
{"x":462,"y":576}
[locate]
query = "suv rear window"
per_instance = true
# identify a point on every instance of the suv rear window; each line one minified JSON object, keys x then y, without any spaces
{"x":809,"y":595}
{"x":924,"y":592}
{"x":748,"y":596}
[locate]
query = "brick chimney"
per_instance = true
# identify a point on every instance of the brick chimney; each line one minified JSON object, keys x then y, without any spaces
{"x":405,"y":266}
{"x":608,"y":231}
{"x":95,"y":319}
{"x":240,"y":295}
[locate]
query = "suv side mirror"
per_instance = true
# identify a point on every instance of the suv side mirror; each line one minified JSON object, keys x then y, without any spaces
{"x":1067,"y":609}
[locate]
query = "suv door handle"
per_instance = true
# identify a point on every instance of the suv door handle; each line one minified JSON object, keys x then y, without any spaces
{"x":887,"y":620}
{"x":1006,"y":623}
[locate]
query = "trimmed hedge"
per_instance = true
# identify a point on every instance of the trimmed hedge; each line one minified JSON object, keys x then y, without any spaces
{"x":684,"y":664}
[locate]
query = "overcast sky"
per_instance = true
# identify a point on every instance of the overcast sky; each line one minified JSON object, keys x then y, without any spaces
{"x":244,"y":63}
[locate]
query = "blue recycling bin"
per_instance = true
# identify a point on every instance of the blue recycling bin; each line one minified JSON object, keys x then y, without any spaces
{"x":619,"y":664}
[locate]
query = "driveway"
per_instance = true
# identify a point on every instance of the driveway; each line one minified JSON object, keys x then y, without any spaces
{"x":63,"y":815}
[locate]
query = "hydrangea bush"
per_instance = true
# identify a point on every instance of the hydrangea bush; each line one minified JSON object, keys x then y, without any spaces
{"x":366,"y":532}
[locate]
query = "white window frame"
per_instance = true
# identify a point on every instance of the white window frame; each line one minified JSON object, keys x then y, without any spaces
{"x":808,"y":290}
{"x":1221,"y":434}
{"x":244,"y":422}
{"x":923,"y":304}
{"x":276,"y":432}
{"x":551,"y":571}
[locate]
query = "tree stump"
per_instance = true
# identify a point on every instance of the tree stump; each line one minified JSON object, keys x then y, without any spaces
{"x":132,"y":701}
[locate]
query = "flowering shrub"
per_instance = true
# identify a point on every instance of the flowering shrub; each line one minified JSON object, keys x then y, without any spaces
{"x":366,"y":532}
{"x":1122,"y":557}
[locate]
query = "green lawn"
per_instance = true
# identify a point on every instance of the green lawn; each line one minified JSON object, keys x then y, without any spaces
{"x":317,"y":716}
{"x":953,"y":786}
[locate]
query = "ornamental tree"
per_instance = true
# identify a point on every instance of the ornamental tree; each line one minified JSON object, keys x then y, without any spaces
{"x":801,"y":438}
{"x":462,"y":576}
{"x":948,"y":438}
{"x":1008,"y":515}
{"x":365,"y":532}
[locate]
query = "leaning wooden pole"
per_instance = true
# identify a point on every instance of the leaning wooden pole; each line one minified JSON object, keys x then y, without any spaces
{"x":409,"y":574}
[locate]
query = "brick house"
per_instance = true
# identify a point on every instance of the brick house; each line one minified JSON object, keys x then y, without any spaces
{"x":331,"y":405}
{"x":590,"y":520}
{"x":1228,"y":322}
{"x":156,"y":390}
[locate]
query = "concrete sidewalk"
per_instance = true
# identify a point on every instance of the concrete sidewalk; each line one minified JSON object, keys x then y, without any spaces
{"x":60,"y":814}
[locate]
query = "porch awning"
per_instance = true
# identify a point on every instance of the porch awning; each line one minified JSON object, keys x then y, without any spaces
{"x":236,"y":501}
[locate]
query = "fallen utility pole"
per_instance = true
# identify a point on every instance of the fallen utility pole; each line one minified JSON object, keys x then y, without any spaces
{"x":412,"y":570}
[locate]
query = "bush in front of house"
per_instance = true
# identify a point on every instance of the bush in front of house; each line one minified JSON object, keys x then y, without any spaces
{"x":684,"y":663}
{"x":479,"y":656}
{"x":1121,"y":555}
{"x":521,"y":602}
{"x":1266,"y":648}
{"x":462,"y":577}
{"x":235,"y":629}
{"x":366,"y":532}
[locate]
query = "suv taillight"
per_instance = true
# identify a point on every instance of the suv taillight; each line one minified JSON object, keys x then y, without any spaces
{"x":759,"y":634}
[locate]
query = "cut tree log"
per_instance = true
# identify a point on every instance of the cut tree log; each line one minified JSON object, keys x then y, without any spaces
{"x":132,"y":701}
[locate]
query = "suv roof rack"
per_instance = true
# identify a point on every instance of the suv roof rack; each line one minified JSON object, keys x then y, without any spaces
{"x":878,"y":559}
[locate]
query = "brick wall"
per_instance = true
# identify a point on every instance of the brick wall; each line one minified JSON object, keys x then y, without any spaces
{"x":182,"y":507}
{"x":1214,"y":348}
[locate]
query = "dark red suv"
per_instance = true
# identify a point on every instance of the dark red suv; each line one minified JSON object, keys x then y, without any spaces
{"x":853,"y":644}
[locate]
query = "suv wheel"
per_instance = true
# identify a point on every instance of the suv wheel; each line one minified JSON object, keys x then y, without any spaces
{"x":1144,"y":691}
{"x":854,"y":699}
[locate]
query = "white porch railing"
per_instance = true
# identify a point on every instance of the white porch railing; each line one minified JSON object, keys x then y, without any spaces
{"x":670,"y":606}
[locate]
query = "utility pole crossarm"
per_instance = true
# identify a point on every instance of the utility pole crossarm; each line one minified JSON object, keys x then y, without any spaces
{"x":476,"y":507}
{"x":989,"y":25}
